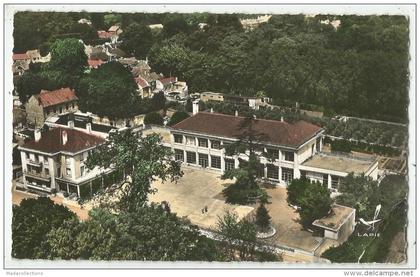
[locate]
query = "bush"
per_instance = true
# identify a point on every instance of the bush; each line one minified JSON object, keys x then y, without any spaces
{"x":153,"y":118}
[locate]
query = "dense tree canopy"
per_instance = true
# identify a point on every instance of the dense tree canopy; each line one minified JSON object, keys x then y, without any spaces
{"x":152,"y":233}
{"x":109,"y":91}
{"x":360,"y":68}
{"x":32,"y":220}
{"x":177,"y":117}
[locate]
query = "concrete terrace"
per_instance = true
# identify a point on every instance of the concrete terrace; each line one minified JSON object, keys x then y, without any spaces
{"x":340,"y":163}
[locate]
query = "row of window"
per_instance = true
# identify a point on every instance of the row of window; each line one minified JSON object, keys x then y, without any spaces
{"x":215,"y":162}
{"x":60,"y":109}
{"x":216,"y":144}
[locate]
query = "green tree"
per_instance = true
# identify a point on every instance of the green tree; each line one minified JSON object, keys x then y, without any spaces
{"x":142,"y":159}
{"x":109,"y":91}
{"x":178,"y":117}
{"x":245,"y":189}
{"x":68,"y":55}
{"x":151,"y":233}
{"x":29,"y":84}
{"x":153,"y":118}
{"x":262,"y":218}
{"x":31,"y":222}
{"x":158,"y":101}
{"x":137,"y":40}
{"x":314,"y":203}
{"x":296,"y":189}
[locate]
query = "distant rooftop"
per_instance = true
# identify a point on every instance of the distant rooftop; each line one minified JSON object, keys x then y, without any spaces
{"x":50,"y":98}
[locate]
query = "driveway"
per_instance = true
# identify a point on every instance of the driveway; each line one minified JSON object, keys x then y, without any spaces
{"x":197,"y":190}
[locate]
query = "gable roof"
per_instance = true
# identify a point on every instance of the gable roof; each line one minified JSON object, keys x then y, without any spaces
{"x":114,"y":28}
{"x":271,"y":131}
{"x":21,"y":56}
{"x":104,"y":34}
{"x":52,"y":142}
{"x":141,"y":82}
{"x":168,"y":80}
{"x":50,"y":98}
{"x":95,"y":63}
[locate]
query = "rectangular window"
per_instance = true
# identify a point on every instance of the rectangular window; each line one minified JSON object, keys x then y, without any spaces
{"x":190,"y":140}
{"x":325,"y":179}
{"x":68,"y":171}
{"x":191,"y":158}
{"x":178,"y":138}
{"x":203,"y":160}
{"x":335,"y":181}
{"x":47,"y":172}
{"x":82,"y":170}
{"x":303,"y":174}
{"x":215,"y":162}
{"x":215,"y":144}
{"x":287,"y":175}
{"x":229,"y":164}
{"x":179,"y":155}
{"x":273,"y":153}
{"x":272,"y":172}
{"x":289,"y":156}
{"x":203,"y":142}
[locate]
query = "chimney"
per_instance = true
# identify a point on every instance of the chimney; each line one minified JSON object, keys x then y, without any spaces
{"x":64,"y":137}
{"x":195,"y":107}
{"x":236,"y":113}
{"x":70,"y":120}
{"x":37,"y":134}
{"x":282,"y":119}
{"x":89,"y":127}
{"x":211,"y":110}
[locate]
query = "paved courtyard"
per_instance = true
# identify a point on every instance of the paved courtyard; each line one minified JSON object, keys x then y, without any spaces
{"x":200,"y":188}
{"x":192,"y":193}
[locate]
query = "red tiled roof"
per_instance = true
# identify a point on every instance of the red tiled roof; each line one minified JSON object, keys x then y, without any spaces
{"x":52,"y":141}
{"x":104,"y":34}
{"x":50,"y":98}
{"x":168,"y":80}
{"x":22,"y":56}
{"x":142,"y":82}
{"x":95,"y":63}
{"x":271,"y":131}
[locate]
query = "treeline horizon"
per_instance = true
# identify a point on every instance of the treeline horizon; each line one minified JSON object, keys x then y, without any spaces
{"x":359,"y":69}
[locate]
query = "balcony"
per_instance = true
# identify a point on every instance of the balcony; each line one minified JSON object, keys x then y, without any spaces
{"x":37,"y":175}
{"x":34,"y":163}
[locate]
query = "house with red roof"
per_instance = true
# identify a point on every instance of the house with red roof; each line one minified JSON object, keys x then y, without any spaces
{"x":55,"y":160}
{"x":144,"y":88}
{"x":50,"y":103}
{"x":94,"y":64}
{"x":295,"y":148}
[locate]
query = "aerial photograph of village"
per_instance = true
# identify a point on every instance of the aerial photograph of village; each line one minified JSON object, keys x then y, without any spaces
{"x":210,"y":137}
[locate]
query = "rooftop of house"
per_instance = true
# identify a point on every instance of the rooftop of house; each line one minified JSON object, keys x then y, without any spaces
{"x":141,"y":82}
{"x":270,"y":131}
{"x":20,"y":56}
{"x":95,"y":63}
{"x":81,"y":121}
{"x":342,"y":163}
{"x":335,"y":219}
{"x":104,"y":34}
{"x":50,"y":98}
{"x":114,"y":28}
{"x":168,"y":80}
{"x":53,"y":141}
